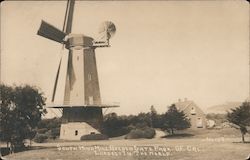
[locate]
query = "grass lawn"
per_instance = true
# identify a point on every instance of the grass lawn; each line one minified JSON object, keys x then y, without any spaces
{"x":209,"y":145}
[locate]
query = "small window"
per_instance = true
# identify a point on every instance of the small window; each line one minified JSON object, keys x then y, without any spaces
{"x":76,"y":132}
{"x":193,"y":112}
{"x":78,"y":58}
{"x":199,"y":123}
{"x":91,"y":100}
{"x":89,"y":77}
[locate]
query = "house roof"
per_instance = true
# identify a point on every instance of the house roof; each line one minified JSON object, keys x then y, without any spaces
{"x":182,"y":105}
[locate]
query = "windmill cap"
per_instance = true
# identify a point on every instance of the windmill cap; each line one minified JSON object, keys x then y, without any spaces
{"x":78,"y":41}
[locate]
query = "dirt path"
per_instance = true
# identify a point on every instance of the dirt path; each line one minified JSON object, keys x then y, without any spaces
{"x":159,"y":133}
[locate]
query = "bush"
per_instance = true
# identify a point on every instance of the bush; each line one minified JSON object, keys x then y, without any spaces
{"x":40,"y":138}
{"x":137,"y":133}
{"x":49,"y":123}
{"x":42,"y":130}
{"x":55,"y":132}
{"x":94,"y":137}
{"x":114,"y":125}
{"x":116,"y":132}
{"x":218,"y":118}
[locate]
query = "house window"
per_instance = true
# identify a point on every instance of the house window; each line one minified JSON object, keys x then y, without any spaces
{"x":193,"y":112}
{"x":76,"y":132}
{"x":199,"y":123}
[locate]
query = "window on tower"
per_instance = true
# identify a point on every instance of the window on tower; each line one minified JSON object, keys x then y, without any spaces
{"x":76,"y":132}
{"x":91,"y":100}
{"x":89,"y":77}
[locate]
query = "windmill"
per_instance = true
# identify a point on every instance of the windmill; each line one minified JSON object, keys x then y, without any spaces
{"x":81,"y":106}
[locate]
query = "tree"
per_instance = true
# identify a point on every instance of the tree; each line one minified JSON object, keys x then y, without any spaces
{"x":21,"y":110}
{"x":153,"y":116}
{"x":114,"y":125}
{"x":175,"y":120}
{"x":6,"y":118}
{"x":142,"y":120}
{"x":240,"y":117}
{"x":156,"y":119}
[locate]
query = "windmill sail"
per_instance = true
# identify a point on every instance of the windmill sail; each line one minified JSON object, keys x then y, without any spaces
{"x":48,"y":31}
{"x":69,"y":16}
{"x":56,"y":81}
{"x":67,"y":26}
{"x":70,"y":78}
{"x":70,"y":69}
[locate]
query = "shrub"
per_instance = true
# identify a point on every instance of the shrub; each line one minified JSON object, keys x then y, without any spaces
{"x":42,"y":130}
{"x":40,"y":138}
{"x":137,"y":133}
{"x":116,"y":132}
{"x":55,"y":132}
{"x":94,"y":137}
{"x":49,"y":123}
{"x":114,"y":125}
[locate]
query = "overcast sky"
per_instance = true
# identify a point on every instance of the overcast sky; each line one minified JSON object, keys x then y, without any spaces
{"x":162,"y":51}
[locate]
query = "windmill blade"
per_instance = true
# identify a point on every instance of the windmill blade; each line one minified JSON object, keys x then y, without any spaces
{"x":69,"y":16}
{"x":70,"y":71}
{"x":56,"y":81}
{"x":48,"y":31}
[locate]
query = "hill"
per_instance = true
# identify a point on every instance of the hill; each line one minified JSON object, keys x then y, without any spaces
{"x":223,"y":108}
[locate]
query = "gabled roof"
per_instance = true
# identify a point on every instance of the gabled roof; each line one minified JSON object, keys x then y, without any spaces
{"x":182,"y":105}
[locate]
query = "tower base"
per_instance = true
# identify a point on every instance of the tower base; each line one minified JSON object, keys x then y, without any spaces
{"x":74,"y":130}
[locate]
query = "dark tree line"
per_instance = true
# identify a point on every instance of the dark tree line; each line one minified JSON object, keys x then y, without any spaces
{"x":170,"y":121}
{"x":21,"y":110}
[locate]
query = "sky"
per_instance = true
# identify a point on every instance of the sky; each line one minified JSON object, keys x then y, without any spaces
{"x":162,"y":51}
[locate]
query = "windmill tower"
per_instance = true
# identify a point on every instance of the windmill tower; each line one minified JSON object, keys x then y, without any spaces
{"x":81,"y":106}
